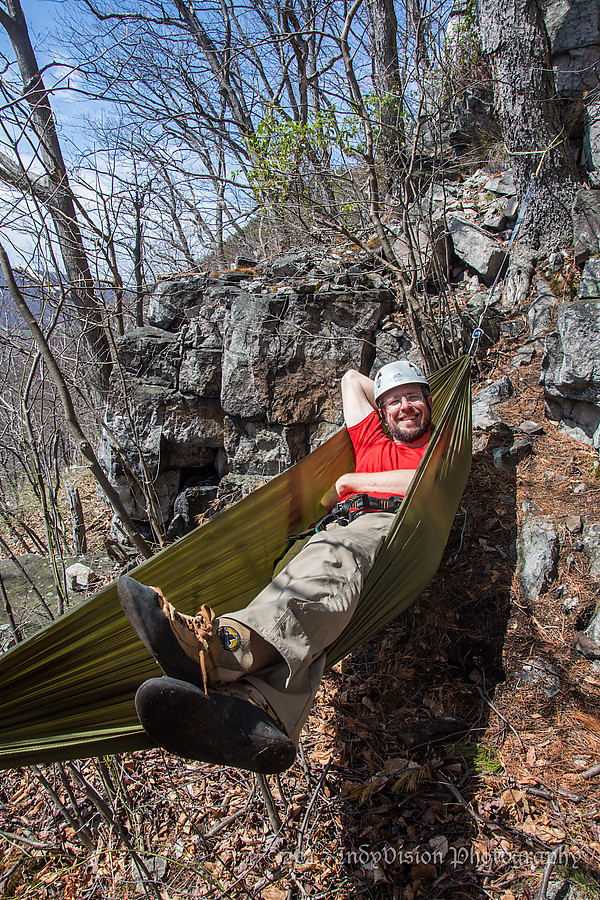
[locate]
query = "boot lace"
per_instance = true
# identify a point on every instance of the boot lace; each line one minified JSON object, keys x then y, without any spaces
{"x":201,"y":625}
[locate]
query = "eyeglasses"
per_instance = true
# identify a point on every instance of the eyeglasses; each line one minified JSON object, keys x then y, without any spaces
{"x":396,"y":402}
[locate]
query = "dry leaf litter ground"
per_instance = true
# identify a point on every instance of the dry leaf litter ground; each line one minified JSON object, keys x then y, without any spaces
{"x":444,"y":758}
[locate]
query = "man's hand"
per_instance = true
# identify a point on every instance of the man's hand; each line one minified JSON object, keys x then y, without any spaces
{"x":395,"y":482}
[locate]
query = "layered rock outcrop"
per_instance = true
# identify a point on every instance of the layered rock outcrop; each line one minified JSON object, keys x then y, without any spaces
{"x":236,"y":378}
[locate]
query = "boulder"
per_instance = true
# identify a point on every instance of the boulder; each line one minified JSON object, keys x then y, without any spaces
{"x":245,"y":262}
{"x":284,"y":357}
{"x":79,"y":577}
{"x":574,"y":524}
{"x":543,"y":674}
{"x":530,"y":427}
{"x":162,"y":312}
{"x":484,"y":417}
{"x":593,"y":632}
{"x":512,"y":328}
{"x":571,"y":370}
{"x":511,"y":209}
{"x":289,"y":265}
{"x":502,"y":184}
{"x":578,"y":419}
{"x":170,"y":300}
{"x":524,"y":355}
{"x":476,"y":249}
{"x":537,"y":553}
{"x":591,"y":544}
{"x":586,"y":223}
{"x":494,"y":221}
{"x":589,"y":286}
{"x":540,"y":312}
{"x":232,"y":278}
{"x":511,"y":454}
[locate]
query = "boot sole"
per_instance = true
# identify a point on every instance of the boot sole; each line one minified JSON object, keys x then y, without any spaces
{"x":211,"y":727}
{"x":154,"y":631}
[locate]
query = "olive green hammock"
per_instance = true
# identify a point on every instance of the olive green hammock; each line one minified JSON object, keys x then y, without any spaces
{"x":67,"y":692}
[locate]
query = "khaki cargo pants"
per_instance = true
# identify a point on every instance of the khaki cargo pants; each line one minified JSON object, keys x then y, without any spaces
{"x":306,"y":607}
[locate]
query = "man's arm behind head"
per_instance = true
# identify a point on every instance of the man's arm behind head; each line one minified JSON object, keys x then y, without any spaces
{"x":358,"y":398}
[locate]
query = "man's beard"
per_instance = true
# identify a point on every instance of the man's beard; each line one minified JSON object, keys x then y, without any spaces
{"x":406,"y":436}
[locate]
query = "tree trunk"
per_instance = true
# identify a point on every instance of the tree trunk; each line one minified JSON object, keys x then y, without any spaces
{"x":58,"y":197}
{"x":383,"y":28}
{"x":138,"y":263}
{"x":514,"y":37}
{"x":77,"y":519}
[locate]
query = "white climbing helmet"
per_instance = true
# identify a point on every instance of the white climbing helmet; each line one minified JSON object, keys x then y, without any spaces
{"x":397,"y":373}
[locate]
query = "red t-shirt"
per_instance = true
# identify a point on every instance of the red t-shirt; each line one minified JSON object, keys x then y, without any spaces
{"x":374,"y":451}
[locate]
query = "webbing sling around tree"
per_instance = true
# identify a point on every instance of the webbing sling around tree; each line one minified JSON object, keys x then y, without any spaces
{"x":67,"y":692}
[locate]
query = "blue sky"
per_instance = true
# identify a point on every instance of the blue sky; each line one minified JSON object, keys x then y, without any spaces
{"x":42,"y":17}
{"x":45,"y":20}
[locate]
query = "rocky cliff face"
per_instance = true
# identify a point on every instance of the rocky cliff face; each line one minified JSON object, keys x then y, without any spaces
{"x":574,"y":32}
{"x":236,"y":377}
{"x":571,"y":364}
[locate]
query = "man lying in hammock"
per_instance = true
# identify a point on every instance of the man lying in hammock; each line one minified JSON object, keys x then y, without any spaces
{"x":240,"y":686}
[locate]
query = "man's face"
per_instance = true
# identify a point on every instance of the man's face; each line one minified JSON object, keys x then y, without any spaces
{"x":406,"y":413}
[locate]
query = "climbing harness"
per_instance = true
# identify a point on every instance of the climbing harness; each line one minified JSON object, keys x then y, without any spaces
{"x":343,"y":513}
{"x":355,"y":505}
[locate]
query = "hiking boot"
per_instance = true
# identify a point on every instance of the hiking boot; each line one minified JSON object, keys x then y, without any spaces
{"x":226,"y":729}
{"x":200,"y":649}
{"x":179,"y":644}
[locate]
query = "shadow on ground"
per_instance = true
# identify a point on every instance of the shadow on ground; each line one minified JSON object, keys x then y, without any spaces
{"x":412,"y":705}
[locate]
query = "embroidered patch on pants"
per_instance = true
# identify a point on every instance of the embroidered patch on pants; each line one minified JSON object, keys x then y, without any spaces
{"x":230,"y":638}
